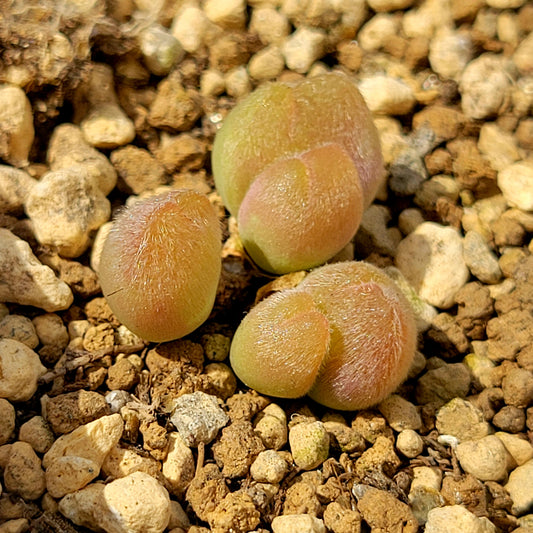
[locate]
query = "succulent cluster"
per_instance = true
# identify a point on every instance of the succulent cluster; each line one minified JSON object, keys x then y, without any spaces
{"x":296,"y":165}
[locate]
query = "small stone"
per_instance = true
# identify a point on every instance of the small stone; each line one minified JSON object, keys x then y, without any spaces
{"x":229,"y":14}
{"x":409,"y":219}
{"x":309,"y":444}
{"x":400,"y":413}
{"x":516,"y":183}
{"x":68,"y":148}
{"x":424,"y":493}
{"x":206,"y":490}
{"x":23,"y":474}
{"x":16,"y":124}
{"x":341,"y":520}
{"x":198,"y":417}
{"x":374,"y":234}
{"x":462,"y":420}
{"x":383,"y":512}
{"x":449,"y":52}
{"x":431,"y":259}
{"x":68,"y":474}
{"x":444,"y":383}
{"x":386,"y":95}
{"x":375,"y":34}
{"x":523,"y":53}
{"x":432,"y":190}
{"x":7,"y":421}
{"x":189,"y":27}
{"x":520,"y":488}
{"x":271,"y":25}
{"x":216,"y":346}
{"x":212,"y":83}
{"x":20,"y":370}
{"x":484,"y":86}
{"x":303,"y":523}
{"x":524,"y":133}
{"x":179,"y":466}
{"x":237,"y":82}
{"x":344,"y":437}
{"x":371,"y":425}
{"x":271,"y":425}
{"x":37,"y":433}
{"x":18,"y":525}
{"x":121,"y":462}
{"x":19,"y":328}
{"x":66,"y":206}
{"x":517,"y":386}
{"x":389,"y":5}
{"x":510,"y":418}
{"x":133,"y":504}
{"x":174,"y":107}
{"x":269,"y":467}
{"x":457,"y":518}
{"x":15,"y":186}
{"x":236,"y":513}
{"x":498,"y":146}
{"x":24,"y":280}
{"x":407,"y":170}
{"x":484,"y":458}
{"x":161,"y":50}
{"x":480,"y":259}
{"x":380,"y":458}
{"x":520,"y":449}
{"x":266,"y":64}
{"x":409,"y":443}
{"x":302,"y":48}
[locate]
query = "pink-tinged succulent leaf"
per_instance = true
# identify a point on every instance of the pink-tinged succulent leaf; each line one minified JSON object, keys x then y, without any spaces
{"x":160,"y":265}
{"x":279,"y":346}
{"x":278,"y":123}
{"x":281,"y":219}
{"x":371,"y":343}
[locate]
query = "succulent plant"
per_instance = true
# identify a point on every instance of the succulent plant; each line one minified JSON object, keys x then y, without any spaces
{"x":297,"y":164}
{"x":160,"y":265}
{"x":346,"y":336}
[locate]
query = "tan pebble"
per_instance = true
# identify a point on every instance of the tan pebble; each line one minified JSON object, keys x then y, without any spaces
{"x":17,"y":525}
{"x":189,"y":27}
{"x":302,"y":48}
{"x":377,"y":31}
{"x":271,"y":25}
{"x":212,"y":83}
{"x":456,"y":518}
{"x":121,"y":462}
{"x":15,"y":185}
{"x":23,"y":474}
{"x":68,"y":474}
{"x":269,"y":467}
{"x":523,"y":54}
{"x":409,"y":443}
{"x":485,"y":458}
{"x":179,"y":466}
{"x":449,"y":53}
{"x":387,"y":95}
{"x":271,"y":425}
{"x":228,"y":14}
{"x":19,"y":328}
{"x":389,"y":5}
{"x":303,"y":523}
{"x":266,"y":64}
{"x":236,"y":512}
{"x":237,"y":82}
{"x":37,"y":433}
{"x":400,"y":413}
{"x":161,"y":50}
{"x":309,"y":444}
{"x":7,"y":421}
{"x":520,"y":449}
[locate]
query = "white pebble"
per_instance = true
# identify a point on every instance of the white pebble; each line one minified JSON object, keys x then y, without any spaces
{"x":309,"y":444}
{"x":24,"y":280}
{"x":457,"y":518}
{"x":68,"y":474}
{"x":66,"y":206}
{"x":189,"y":27}
{"x":377,"y":32}
{"x":271,"y":425}
{"x":485,"y":86}
{"x":16,"y":124}
{"x":237,"y":82}
{"x":516,"y":184}
{"x":461,"y":419}
{"x":51,"y":330}
{"x":409,"y":443}
{"x":302,"y":48}
{"x":484,"y":458}
{"x":271,"y":25}
{"x":303,"y":523}
{"x":505,"y":4}
{"x":107,"y":126}
{"x":269,"y":467}
{"x":161,"y":50}
{"x":387,"y":95}
{"x":20,"y":369}
{"x":450,"y":52}
{"x":431,"y":259}
{"x":520,"y":488}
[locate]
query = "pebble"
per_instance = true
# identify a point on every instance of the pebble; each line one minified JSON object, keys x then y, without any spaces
{"x":198,"y":417}
{"x":461,"y":419}
{"x":24,"y":280}
{"x":266,"y":64}
{"x":375,"y":34}
{"x":23,"y":474}
{"x":517,"y":387}
{"x":407,"y":170}
{"x":179,"y":466}
{"x":520,"y":449}
{"x":484,"y":458}
{"x":68,"y":474}
{"x":400,"y":413}
{"x":271,"y":25}
{"x":380,"y":457}
{"x":189,"y":27}
{"x":516,"y":184}
{"x":7,"y":421}
{"x":160,"y":49}
{"x":37,"y":433}
{"x":409,"y":443}
{"x":236,"y":512}
{"x":69,"y":148}
{"x":66,"y":206}
{"x":480,"y":259}
{"x":228,"y":14}
{"x":450,"y":52}
{"x":340,"y":519}
{"x":344,"y":437}
{"x":20,"y":370}
{"x":133,"y":504}
{"x":522,"y":56}
{"x":309,"y":444}
{"x":457,"y":518}
{"x":385,"y":95}
{"x":431,"y":259}
{"x":498,"y":146}
{"x":271,"y":425}
{"x":303,"y":523}
{"x":269,"y":467}
{"x":19,"y":328}
{"x":18,"y":525}
{"x":374,"y":234}
{"x":216,"y":346}
{"x":424,"y":492}
{"x":237,"y":82}
{"x":442,"y":384}
{"x":212,"y":83}
{"x":437,"y":187}
{"x":15,"y":185}
{"x":16,"y":122}
{"x":121,"y":462}
{"x":389,"y":5}
{"x":302,"y":48}
{"x":520,"y":488}
{"x":484,"y":86}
